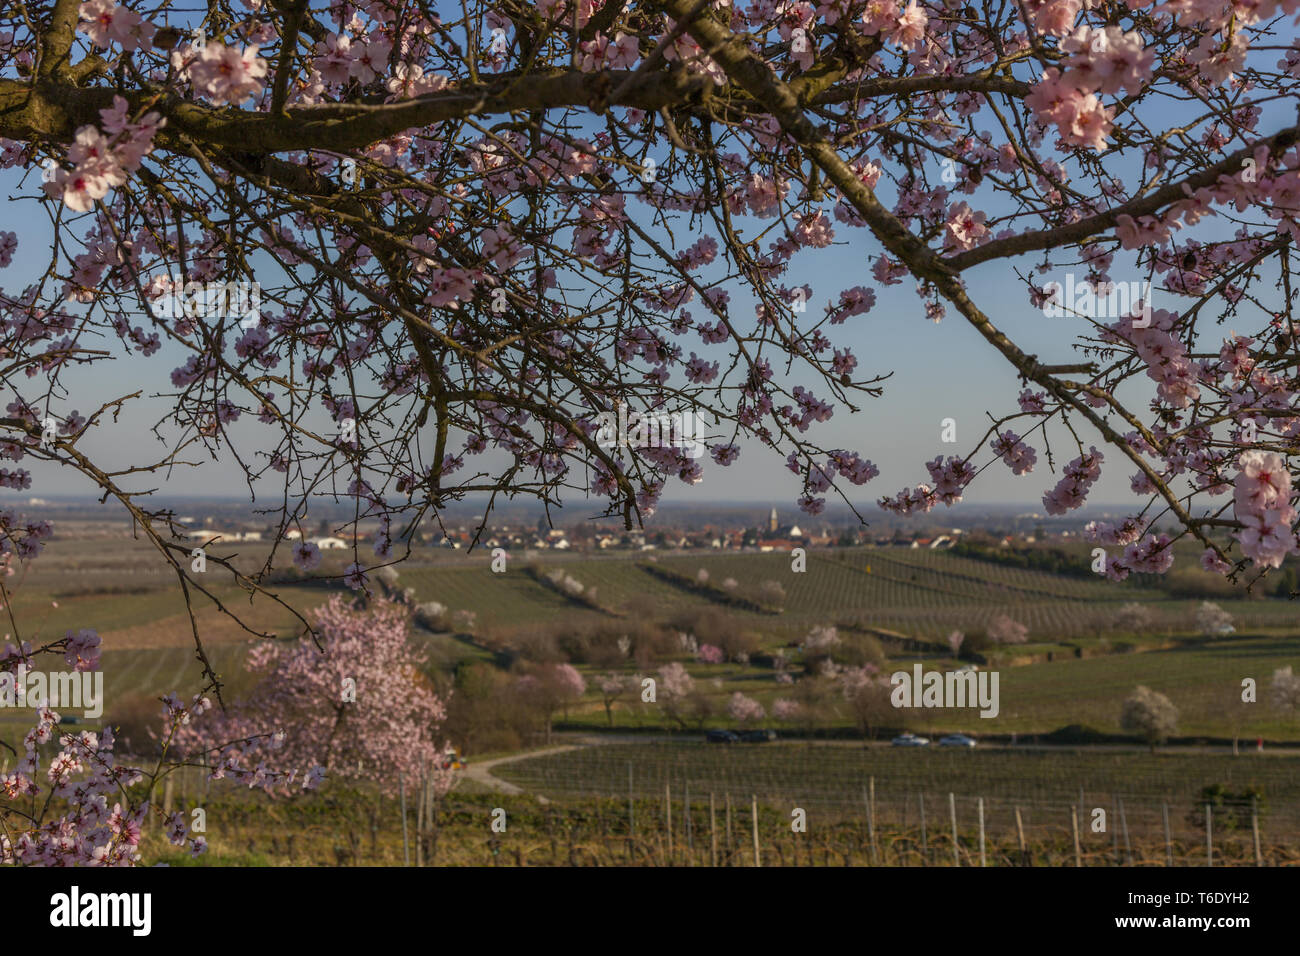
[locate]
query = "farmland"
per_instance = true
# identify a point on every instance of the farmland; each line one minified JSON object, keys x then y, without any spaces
{"x":1075,"y":668}
{"x":831,"y":776}
{"x":1072,"y":670}
{"x":122,"y":588}
{"x":686,"y":803}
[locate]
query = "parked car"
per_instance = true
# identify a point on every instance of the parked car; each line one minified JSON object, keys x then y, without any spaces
{"x":957,"y":740}
{"x":757,"y":736}
{"x":721,"y":737}
{"x":910,"y":740}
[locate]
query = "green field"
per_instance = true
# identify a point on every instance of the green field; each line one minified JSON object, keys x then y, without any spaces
{"x":1203,"y":681}
{"x":919,"y":592}
{"x":1070,"y":672}
{"x":1076,"y":669}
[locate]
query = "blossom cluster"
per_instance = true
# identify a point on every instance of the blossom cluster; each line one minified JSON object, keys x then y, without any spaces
{"x":1261,"y":498}
{"x":104,"y":158}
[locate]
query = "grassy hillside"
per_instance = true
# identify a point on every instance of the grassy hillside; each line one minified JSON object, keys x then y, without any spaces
{"x":1070,"y":672}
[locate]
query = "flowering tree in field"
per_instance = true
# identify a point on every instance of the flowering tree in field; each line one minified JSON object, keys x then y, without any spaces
{"x":1133,"y":617}
{"x":771,"y":593}
{"x":612,"y":687}
{"x":355,"y":704}
{"x":681,"y":700}
{"x":433,"y":615}
{"x":1285,"y":690}
{"x":1005,"y":630}
{"x":568,"y":682}
{"x":1150,"y":714}
{"x":866,"y":691}
{"x":674,"y":681}
{"x":551,"y":688}
{"x":1212,"y":619}
{"x":744,"y":710}
{"x":710,"y":654}
{"x":822,"y":639}
{"x":783,"y":708}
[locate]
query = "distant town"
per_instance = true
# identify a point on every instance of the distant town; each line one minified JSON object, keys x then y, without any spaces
{"x":724,"y":527}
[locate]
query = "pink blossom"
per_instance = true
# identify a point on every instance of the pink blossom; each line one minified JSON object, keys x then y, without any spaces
{"x":1210,"y":561}
{"x":710,"y":654}
{"x":1151,"y":555}
{"x":909,"y":29}
{"x":105,"y":23}
{"x":879,"y":15}
{"x":1018,"y":456}
{"x":744,"y":709}
{"x":785,"y":709}
{"x":82,"y":650}
{"x":1262,"y":498}
{"x":226,"y":75}
{"x":354,"y":576}
{"x":674,"y":681}
{"x":965,"y":226}
{"x":306,"y":555}
{"x":371,"y":60}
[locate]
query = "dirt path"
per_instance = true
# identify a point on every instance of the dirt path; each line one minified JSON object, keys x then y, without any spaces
{"x":482,"y":772}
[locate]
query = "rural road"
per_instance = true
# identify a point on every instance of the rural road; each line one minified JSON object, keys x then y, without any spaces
{"x":587,"y":739}
{"x":482,"y":772}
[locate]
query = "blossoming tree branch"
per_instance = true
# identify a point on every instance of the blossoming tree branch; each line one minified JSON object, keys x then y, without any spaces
{"x":477,"y":228}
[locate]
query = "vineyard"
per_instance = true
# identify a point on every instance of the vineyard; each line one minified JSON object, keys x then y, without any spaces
{"x":718,"y":829}
{"x":916,"y":591}
{"x":1073,"y":670}
{"x":122,"y":591}
{"x":688,"y":805}
{"x":1128,"y":807}
{"x":829,"y":777}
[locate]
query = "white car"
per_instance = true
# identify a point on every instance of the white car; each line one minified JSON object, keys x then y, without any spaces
{"x":910,"y":740}
{"x":956,"y":740}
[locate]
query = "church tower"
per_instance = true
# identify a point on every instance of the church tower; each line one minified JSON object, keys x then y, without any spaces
{"x":772,"y":524}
